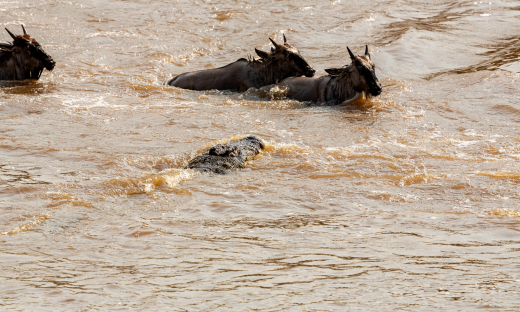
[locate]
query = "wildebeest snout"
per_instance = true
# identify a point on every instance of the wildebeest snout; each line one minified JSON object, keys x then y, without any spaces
{"x":50,"y":64}
{"x":309,"y":72}
{"x":375,"y":89}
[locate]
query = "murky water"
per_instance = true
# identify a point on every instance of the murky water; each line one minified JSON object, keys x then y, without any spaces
{"x":409,"y":201}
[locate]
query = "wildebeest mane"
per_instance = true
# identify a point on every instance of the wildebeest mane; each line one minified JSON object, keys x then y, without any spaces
{"x":252,"y":60}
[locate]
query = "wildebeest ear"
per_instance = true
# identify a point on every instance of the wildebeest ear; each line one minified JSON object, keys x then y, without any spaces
{"x":6,"y":45}
{"x":333,"y":71}
{"x":262,"y":54}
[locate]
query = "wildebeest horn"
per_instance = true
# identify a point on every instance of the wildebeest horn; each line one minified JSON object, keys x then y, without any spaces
{"x":274,"y":43}
{"x":10,"y":33}
{"x":366,"y":50}
{"x":352,"y":56}
{"x":284,"y":39}
{"x":24,"y":32}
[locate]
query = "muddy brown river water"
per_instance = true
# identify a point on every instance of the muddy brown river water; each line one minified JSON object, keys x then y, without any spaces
{"x":408,"y":201}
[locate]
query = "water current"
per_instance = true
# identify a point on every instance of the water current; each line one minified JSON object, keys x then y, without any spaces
{"x":404,"y":202}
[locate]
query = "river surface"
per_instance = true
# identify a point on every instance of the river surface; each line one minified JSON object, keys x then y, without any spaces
{"x":404,"y":202}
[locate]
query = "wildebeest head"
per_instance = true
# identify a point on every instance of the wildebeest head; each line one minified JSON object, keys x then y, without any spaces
{"x":364,"y":78}
{"x":30,"y":53}
{"x":289,"y":58}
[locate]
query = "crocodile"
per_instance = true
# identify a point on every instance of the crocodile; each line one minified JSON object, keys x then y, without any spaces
{"x":227,"y":157}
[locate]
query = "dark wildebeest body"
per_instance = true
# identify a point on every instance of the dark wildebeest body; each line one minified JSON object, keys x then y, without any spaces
{"x":23,"y":59}
{"x":283,"y":61}
{"x":342,"y":84}
{"x":227,"y":157}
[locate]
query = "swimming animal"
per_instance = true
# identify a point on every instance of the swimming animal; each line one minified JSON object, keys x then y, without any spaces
{"x":340,"y":85}
{"x":24,"y":58}
{"x":227,"y":157}
{"x":282,"y":62}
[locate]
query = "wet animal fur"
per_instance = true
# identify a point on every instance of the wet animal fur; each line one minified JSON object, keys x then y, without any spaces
{"x":227,"y":157}
{"x":23,"y":59}
{"x":342,"y":84}
{"x":283,"y":61}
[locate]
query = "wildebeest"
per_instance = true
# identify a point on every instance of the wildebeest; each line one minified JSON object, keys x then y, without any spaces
{"x":227,"y":157}
{"x":23,"y":59}
{"x":340,"y":85}
{"x":282,"y":62}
